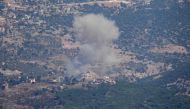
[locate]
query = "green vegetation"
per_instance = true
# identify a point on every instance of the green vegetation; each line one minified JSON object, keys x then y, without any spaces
{"x":143,"y":94}
{"x":123,"y":95}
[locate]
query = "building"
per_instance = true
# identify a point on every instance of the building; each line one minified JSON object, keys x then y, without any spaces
{"x":5,"y":86}
{"x":32,"y":80}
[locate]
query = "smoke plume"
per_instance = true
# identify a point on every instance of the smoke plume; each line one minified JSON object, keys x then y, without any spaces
{"x":95,"y":33}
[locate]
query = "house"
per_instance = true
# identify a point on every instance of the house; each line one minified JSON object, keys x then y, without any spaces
{"x":32,"y":80}
{"x":5,"y":86}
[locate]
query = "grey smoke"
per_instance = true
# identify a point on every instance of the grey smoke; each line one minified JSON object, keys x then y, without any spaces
{"x":95,"y":29}
{"x":95,"y":34}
